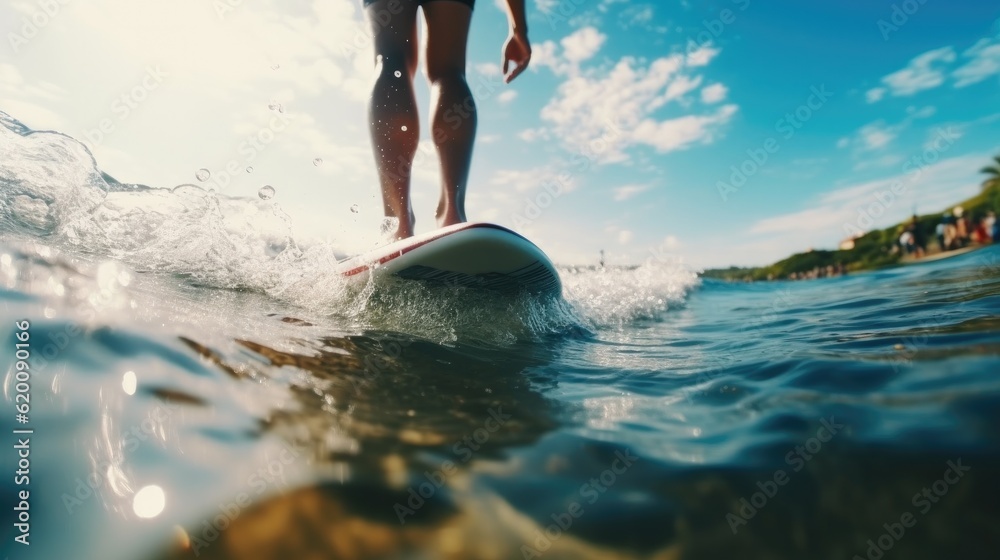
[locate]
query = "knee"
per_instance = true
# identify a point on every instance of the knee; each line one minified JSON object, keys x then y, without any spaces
{"x":440,"y":74}
{"x":395,"y":65}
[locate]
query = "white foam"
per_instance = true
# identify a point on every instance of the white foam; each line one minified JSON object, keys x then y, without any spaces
{"x":247,"y":243}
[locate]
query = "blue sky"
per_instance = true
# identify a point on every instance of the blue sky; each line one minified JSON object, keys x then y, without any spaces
{"x":634,"y":114}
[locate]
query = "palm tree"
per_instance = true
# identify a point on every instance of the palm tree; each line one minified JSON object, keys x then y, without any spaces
{"x":993,"y":174}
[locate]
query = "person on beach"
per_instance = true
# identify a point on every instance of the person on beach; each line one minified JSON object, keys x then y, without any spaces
{"x":919,"y":240}
{"x":392,"y":109}
{"x":939,"y":233}
{"x":961,"y":228}
{"x":980,"y":232}
{"x":906,"y":242}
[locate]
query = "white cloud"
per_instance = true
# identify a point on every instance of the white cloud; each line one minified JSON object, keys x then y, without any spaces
{"x":626,"y":192}
{"x":532,"y":134}
{"x":677,"y":88}
{"x":702,"y":56}
{"x":875,"y":94}
{"x":543,"y":55}
{"x":925,"y":71}
{"x":873,"y":204}
{"x":984,"y":61}
{"x":931,"y":69}
{"x":487,"y":68}
{"x":544,"y":6}
{"x":876,"y":135}
{"x":636,"y":16}
{"x":713,"y":93}
{"x":624,"y":236}
{"x":921,"y":112}
{"x":604,"y":111}
{"x":582,"y":44}
{"x":887,"y":160}
{"x":680,"y":133}
{"x":524,"y":180}
{"x":506,"y":96}
{"x":810,"y":162}
{"x":956,"y":132}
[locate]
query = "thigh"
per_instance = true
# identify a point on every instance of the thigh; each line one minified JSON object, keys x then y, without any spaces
{"x":393,"y":25}
{"x":447,"y":36}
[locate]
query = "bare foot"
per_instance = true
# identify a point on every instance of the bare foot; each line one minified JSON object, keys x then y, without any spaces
{"x":448,"y":215}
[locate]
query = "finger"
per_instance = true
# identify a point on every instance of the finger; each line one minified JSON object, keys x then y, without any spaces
{"x":505,"y":64}
{"x":517,"y":71}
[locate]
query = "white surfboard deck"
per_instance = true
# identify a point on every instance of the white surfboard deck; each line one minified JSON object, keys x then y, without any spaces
{"x":472,"y":254}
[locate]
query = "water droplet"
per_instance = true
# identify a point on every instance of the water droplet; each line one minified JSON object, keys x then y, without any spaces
{"x":389,"y":226}
{"x":266,"y":192}
{"x":318,"y":161}
{"x":249,"y":169}
{"x":203,"y":175}
{"x":397,"y":73}
{"x":404,"y":128}
{"x":354,"y":208}
{"x":275,"y":106}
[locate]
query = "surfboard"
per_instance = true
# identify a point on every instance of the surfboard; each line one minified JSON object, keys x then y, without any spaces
{"x":472,"y":254}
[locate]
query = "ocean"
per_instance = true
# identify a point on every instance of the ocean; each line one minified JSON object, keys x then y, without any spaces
{"x":196,"y":383}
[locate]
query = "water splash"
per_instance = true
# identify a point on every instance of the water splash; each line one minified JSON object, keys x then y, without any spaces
{"x":217,"y":240}
{"x":619,"y":295}
{"x":388,"y":227}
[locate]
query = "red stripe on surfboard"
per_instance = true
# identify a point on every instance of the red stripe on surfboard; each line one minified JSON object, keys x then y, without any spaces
{"x":405,"y":250}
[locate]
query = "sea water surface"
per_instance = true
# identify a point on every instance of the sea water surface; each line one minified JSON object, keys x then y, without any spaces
{"x":203,"y":386}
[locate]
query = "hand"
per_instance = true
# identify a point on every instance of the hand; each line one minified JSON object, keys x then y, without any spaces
{"x":516,"y":50}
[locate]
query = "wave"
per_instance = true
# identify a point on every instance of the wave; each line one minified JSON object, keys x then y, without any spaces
{"x":54,"y":191}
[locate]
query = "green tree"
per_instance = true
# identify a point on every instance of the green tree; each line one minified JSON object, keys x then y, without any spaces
{"x":992,"y":173}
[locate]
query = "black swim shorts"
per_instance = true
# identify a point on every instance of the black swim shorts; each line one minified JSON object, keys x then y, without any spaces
{"x":469,"y":3}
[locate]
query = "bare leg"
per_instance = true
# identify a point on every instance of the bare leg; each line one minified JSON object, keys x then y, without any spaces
{"x":392,"y":109}
{"x":453,"y":110}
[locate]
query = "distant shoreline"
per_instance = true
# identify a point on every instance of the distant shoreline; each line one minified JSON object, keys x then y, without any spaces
{"x":878,"y":248}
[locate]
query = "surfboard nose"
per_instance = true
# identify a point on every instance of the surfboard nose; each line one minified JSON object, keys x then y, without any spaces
{"x":476,"y":254}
